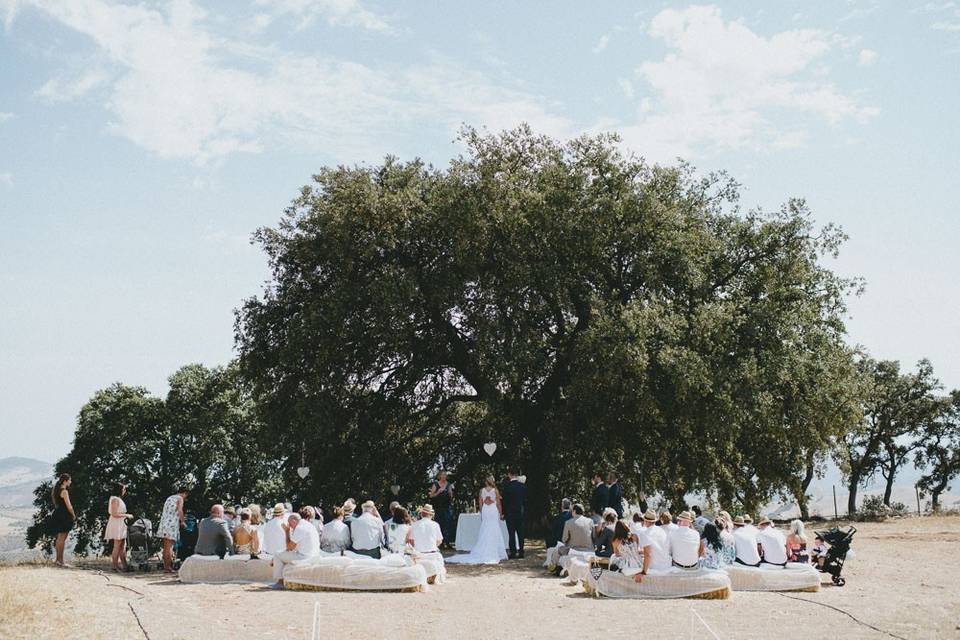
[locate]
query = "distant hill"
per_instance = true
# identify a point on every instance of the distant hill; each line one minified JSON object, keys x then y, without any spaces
{"x":19,"y":477}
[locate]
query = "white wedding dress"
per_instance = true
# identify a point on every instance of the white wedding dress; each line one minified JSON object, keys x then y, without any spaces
{"x":489,"y":548}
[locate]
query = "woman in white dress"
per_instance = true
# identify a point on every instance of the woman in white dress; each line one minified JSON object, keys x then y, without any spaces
{"x":117,"y":528}
{"x":489,"y":548}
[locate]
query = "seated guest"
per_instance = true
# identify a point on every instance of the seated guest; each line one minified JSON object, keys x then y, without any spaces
{"x":652,"y":539}
{"x":366,"y":531}
{"x":302,"y":542}
{"x":685,"y":546}
{"x":726,"y":537}
{"x":256,"y":517}
{"x":718,"y":552}
{"x":818,"y":554}
{"x":336,"y":534}
{"x":626,"y":553}
{"x":556,"y":525}
{"x":245,"y":537}
{"x":748,"y":524}
{"x":772,"y":543}
{"x":349,"y":509}
{"x":309,"y":514}
{"x":397,"y":528}
{"x":230,"y":515}
{"x":666,"y":521}
{"x":425,"y":535}
{"x":577,"y":532}
{"x":274,"y":534}
{"x":699,"y":520}
{"x":797,"y":543}
{"x":603,"y":534}
{"x":213,"y":535}
{"x":727,"y":520}
{"x":390,"y":509}
{"x":746,"y":544}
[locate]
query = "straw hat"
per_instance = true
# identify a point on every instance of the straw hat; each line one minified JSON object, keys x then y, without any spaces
{"x":765,"y":520}
{"x":747,"y":519}
{"x":278,"y":509}
{"x":738,"y":521}
{"x":368,"y":506}
{"x":608,"y":511}
{"x":650,"y":515}
{"x":426,"y":509}
{"x":231,"y":510}
{"x":685,"y":515}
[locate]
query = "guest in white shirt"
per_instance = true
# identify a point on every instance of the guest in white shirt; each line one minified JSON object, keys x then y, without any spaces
{"x":746,"y":543}
{"x":748,"y":525}
{"x":656,"y":540}
{"x":274,"y":539}
{"x":685,"y":545}
{"x":336,"y":534}
{"x":425,"y":535}
{"x":303,"y":543}
{"x":366,"y":531}
{"x":666,"y":521}
{"x":397,"y":529}
{"x":310,"y":514}
{"x":393,"y":506}
{"x":773,"y":543}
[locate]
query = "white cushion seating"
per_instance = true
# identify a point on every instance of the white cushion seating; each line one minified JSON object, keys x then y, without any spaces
{"x":670,"y":583}
{"x":344,"y":573}
{"x":564,"y":561}
{"x":794,"y":577}
{"x":553,"y":557}
{"x":232,"y":569}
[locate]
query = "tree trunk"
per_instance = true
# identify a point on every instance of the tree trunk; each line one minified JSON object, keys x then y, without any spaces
{"x":852,"y":498}
{"x":888,"y":491}
{"x":538,"y":482}
{"x":801,"y":496}
{"x":935,"y":500}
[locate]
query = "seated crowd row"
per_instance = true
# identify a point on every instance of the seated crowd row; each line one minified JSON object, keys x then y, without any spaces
{"x":659,"y":542}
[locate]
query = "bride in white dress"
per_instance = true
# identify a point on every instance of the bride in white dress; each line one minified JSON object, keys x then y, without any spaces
{"x":489,"y":548}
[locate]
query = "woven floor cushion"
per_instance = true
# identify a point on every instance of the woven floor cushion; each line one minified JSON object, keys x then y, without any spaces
{"x":232,"y":569}
{"x":671,"y":583}
{"x":795,"y":577}
{"x":341,"y":573}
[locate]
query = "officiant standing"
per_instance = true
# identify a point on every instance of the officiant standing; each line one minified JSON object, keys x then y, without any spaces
{"x":441,"y":498}
{"x":514,"y":495}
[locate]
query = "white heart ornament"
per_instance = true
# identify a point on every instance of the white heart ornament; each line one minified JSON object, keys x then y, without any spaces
{"x":490,"y":448}
{"x":303,"y":472}
{"x":394,"y":489}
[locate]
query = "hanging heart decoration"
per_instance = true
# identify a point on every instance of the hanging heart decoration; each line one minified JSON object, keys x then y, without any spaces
{"x":303,"y":472}
{"x":490,"y":448}
{"x":394,"y":489}
{"x":522,"y":479}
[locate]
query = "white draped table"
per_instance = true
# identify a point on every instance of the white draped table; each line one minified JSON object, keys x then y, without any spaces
{"x":468,"y":528}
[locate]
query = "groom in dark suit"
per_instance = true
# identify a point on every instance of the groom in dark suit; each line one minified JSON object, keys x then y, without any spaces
{"x":514,"y":495}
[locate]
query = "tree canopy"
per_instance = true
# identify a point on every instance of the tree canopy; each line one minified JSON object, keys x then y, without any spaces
{"x":575,"y":305}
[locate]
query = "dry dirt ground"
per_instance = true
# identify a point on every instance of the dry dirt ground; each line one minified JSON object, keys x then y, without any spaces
{"x":903,"y":583}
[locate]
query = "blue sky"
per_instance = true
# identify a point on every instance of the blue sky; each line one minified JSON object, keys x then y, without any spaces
{"x":142,"y":143}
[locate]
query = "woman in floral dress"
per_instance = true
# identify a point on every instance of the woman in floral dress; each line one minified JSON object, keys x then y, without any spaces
{"x":170,"y":522}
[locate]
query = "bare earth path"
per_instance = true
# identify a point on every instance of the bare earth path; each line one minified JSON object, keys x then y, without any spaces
{"x":904,"y":581}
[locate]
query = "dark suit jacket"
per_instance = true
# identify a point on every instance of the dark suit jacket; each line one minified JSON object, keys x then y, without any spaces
{"x":603,"y":542}
{"x":615,"y":499}
{"x":556,"y":527}
{"x":600,"y":499}
{"x":213,"y":537}
{"x":514,"y":495}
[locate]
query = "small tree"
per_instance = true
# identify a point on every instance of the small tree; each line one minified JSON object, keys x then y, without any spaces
{"x":939,"y":451}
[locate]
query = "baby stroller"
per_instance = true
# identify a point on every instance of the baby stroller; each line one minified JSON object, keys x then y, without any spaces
{"x":140,"y":543}
{"x":839,"y":542}
{"x":188,"y":537}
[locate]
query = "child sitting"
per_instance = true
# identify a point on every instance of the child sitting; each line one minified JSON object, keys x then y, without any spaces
{"x":818,"y":554}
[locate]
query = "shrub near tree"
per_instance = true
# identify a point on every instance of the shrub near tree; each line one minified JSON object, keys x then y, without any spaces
{"x":205,"y":432}
{"x":578,"y":307}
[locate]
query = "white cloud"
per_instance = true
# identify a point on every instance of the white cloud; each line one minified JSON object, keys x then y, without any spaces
{"x":601,"y":43}
{"x":4,"y":116}
{"x":627,"y":87}
{"x":6,"y":179}
{"x":68,"y":88}
{"x":181,"y":91}
{"x":335,"y":12}
{"x":723,"y":86}
{"x":943,"y":25}
{"x":867,"y":57}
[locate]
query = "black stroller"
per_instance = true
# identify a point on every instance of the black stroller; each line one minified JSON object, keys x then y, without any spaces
{"x":188,"y":537}
{"x":839,"y":542}
{"x":140,"y":543}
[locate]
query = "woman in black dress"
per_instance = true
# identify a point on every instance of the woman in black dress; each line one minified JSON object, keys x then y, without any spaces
{"x":441,"y":497}
{"x":63,"y":517}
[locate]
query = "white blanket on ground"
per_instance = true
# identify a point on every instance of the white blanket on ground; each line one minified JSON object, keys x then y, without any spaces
{"x":795,"y":577}
{"x":232,"y":569}
{"x":553,"y":556}
{"x":565,"y":560}
{"x":391,"y":573}
{"x":670,"y":583}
